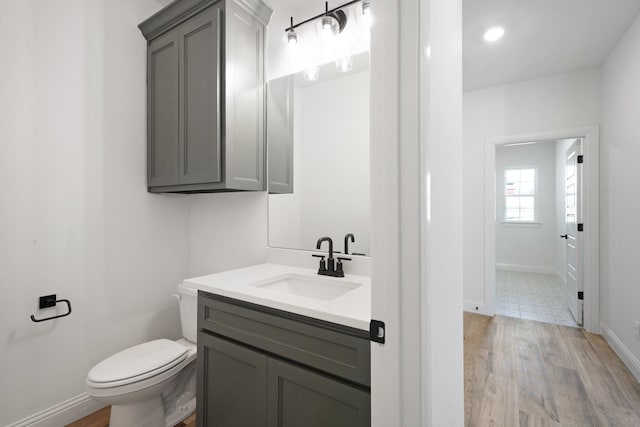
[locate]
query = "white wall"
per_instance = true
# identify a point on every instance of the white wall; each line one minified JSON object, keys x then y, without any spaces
{"x":554,"y":102}
{"x":620,"y":149}
{"x":227,"y":231}
{"x":528,"y":246}
{"x":76,"y":219}
{"x":441,"y":258}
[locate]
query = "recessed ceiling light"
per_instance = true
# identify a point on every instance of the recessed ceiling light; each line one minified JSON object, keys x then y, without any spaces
{"x":494,"y":34}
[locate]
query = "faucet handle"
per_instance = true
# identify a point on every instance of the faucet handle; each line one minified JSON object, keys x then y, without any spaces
{"x":339,"y":270}
{"x":323,"y":263}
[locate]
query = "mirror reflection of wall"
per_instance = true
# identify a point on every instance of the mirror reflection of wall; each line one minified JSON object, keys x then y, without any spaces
{"x":328,"y":120}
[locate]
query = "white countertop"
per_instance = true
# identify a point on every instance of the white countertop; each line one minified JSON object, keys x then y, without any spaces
{"x":350,"y":309}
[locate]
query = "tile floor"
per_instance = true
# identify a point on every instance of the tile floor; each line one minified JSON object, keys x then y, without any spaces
{"x":532,"y":296}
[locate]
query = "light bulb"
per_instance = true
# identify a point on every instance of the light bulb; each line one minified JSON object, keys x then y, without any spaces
{"x":292,"y":38}
{"x":292,"y":42}
{"x":327,"y":26}
{"x":312,"y":73}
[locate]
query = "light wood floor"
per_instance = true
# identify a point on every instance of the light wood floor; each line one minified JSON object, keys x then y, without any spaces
{"x":101,"y":419}
{"x":526,"y":373}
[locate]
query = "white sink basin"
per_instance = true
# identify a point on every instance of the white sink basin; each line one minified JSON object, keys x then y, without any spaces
{"x":321,"y":288}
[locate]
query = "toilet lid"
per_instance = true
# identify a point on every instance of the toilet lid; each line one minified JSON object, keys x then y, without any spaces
{"x":138,"y":363}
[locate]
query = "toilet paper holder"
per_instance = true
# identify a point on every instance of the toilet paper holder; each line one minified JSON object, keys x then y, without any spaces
{"x":48,"y":301}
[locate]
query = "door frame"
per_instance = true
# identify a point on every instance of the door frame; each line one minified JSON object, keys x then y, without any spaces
{"x":416,"y":214}
{"x":590,"y":214}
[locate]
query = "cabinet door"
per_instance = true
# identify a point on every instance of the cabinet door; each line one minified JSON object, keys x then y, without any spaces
{"x":200,"y":139}
{"x":163,"y":116}
{"x":244,"y":99}
{"x":280,"y":135}
{"x":299,"y":397}
{"x":231,"y":384}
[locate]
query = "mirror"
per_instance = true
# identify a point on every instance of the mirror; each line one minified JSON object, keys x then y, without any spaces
{"x":318,"y":156}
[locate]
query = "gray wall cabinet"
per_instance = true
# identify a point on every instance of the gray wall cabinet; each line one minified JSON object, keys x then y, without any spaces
{"x":206,"y":96}
{"x":259,"y":366}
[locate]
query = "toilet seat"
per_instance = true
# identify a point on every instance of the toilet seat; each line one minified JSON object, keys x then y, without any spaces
{"x":137,"y":364}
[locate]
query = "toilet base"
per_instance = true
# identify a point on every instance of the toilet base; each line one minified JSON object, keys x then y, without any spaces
{"x":147,"y":413}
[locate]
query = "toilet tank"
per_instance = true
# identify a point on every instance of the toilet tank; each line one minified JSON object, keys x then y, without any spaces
{"x":188,"y":298}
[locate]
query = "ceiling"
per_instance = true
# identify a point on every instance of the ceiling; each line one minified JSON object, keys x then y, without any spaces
{"x":543,"y":37}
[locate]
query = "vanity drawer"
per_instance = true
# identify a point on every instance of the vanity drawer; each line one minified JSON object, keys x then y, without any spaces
{"x":335,"y":349}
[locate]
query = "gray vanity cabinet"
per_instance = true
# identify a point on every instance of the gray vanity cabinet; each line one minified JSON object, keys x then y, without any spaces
{"x":263,"y":367}
{"x":301,"y":397}
{"x":236,"y":397}
{"x":205,"y":102}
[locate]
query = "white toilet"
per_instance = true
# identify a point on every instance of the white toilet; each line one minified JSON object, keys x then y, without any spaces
{"x":152,"y":384}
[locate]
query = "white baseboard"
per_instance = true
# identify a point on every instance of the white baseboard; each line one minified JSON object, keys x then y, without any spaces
{"x":631,"y":361}
{"x":62,"y":414}
{"x":526,"y":268}
{"x":476,"y":307}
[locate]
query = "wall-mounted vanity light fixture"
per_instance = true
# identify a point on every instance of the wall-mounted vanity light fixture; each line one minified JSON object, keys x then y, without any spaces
{"x":332,"y":21}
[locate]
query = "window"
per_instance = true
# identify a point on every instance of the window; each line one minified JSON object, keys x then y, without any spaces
{"x":520,"y":195}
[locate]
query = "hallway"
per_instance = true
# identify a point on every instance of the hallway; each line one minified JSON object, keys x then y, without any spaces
{"x":529,"y":373}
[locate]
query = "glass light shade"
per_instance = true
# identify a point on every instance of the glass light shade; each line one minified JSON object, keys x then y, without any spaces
{"x":312,"y":73}
{"x":366,"y":12}
{"x":328,"y":26}
{"x":292,"y":38}
{"x":344,"y":64}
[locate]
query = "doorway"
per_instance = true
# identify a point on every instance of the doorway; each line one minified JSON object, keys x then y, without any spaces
{"x":533,"y":276}
{"x":531,"y":269}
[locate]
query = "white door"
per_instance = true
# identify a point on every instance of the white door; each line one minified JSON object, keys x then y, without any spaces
{"x":573,"y":216}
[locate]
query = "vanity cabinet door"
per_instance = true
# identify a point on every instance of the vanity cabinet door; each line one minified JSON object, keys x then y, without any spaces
{"x":163,"y":117}
{"x":232,"y":381}
{"x":300,"y":397}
